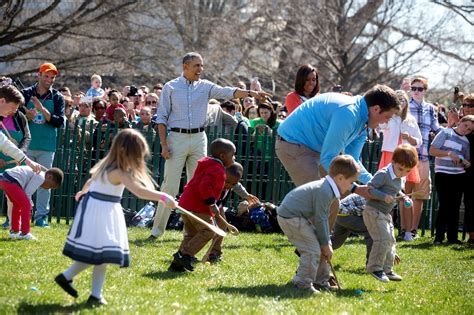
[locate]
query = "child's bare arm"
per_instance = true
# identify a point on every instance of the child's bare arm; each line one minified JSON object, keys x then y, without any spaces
{"x":84,"y":190}
{"x":141,"y":191}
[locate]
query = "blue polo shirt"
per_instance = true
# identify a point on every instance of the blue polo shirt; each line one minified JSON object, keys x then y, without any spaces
{"x":330,"y":123}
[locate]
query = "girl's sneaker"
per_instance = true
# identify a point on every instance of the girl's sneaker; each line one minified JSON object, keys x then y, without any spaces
{"x":28,"y":237}
{"x":14,"y":235}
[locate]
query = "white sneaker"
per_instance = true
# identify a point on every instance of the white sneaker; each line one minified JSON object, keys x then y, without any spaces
{"x":408,"y":237}
{"x":14,"y":235}
{"x":27,"y":237}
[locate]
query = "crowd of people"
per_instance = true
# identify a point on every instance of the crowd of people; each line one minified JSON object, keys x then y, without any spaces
{"x":312,"y":130}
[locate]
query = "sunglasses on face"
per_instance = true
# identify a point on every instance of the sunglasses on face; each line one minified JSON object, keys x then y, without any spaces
{"x":419,"y":89}
{"x":150,"y":102}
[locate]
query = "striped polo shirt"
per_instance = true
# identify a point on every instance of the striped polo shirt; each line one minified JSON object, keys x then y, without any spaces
{"x":448,"y":140}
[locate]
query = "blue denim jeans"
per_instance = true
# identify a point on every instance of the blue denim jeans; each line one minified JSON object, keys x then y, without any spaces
{"x":44,"y":158}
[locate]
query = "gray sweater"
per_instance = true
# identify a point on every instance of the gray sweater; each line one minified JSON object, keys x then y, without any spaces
{"x":384,"y":182}
{"x":311,"y":201}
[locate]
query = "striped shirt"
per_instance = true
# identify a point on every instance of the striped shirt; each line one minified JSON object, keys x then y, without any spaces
{"x":427,"y":120}
{"x":183,"y":104}
{"x":449,"y":140}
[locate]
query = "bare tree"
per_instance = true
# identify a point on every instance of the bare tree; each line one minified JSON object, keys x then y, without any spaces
{"x":31,"y":32}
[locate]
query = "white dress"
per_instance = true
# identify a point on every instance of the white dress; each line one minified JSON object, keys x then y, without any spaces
{"x":98,"y":233}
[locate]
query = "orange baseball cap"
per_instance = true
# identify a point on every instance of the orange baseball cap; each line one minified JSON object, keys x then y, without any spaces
{"x":45,"y":67}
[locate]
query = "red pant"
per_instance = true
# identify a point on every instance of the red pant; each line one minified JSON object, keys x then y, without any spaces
{"x":21,"y":206}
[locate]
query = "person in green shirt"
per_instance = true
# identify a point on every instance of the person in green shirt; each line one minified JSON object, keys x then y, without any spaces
{"x":266,"y":123}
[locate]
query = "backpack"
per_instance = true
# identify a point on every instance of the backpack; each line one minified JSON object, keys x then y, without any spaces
{"x":144,"y":217}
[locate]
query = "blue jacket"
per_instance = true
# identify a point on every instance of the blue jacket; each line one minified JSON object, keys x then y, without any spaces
{"x":330,"y":123}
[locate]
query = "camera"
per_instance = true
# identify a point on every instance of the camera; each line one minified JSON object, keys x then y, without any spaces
{"x":457,"y":98}
{"x":133,"y":91}
{"x":337,"y":88}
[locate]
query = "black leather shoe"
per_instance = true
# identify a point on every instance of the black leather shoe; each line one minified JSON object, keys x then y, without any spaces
{"x":93,"y":301}
{"x":66,"y":285}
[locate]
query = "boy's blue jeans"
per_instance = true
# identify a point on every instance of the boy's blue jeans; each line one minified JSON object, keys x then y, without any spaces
{"x":44,"y":158}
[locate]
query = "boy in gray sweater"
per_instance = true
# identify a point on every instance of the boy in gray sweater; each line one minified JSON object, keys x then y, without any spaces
{"x":19,"y":184}
{"x":384,"y":187}
{"x":304,"y":218}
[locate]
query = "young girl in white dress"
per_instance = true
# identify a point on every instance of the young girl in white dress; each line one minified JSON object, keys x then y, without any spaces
{"x":98,"y":235}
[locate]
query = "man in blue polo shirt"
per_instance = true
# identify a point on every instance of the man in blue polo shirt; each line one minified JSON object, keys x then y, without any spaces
{"x":45,"y":113}
{"x":329,"y":124}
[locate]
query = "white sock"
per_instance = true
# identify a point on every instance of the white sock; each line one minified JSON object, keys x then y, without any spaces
{"x":98,"y":278}
{"x":75,"y":269}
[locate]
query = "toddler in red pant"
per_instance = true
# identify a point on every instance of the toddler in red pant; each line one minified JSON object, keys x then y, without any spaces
{"x":19,"y":183}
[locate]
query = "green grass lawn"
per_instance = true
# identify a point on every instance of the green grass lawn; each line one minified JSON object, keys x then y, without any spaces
{"x":252,"y":279}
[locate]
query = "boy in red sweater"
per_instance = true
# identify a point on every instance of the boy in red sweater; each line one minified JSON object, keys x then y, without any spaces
{"x":200,"y":196}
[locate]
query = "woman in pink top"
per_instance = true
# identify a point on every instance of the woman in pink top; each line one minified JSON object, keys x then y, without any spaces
{"x":306,"y":86}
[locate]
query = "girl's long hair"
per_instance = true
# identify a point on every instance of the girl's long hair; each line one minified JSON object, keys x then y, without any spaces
{"x":404,"y":113}
{"x":266,"y":105}
{"x":128,"y":153}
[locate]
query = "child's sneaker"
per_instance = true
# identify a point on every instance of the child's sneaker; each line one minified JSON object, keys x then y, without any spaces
{"x":14,"y":235}
{"x":185,"y":261}
{"x":27,"y":237}
{"x":408,"y":237}
{"x":393,"y":276}
{"x":414,"y":234}
{"x":380,"y":275}
{"x":310,"y":289}
{"x":214,"y":259}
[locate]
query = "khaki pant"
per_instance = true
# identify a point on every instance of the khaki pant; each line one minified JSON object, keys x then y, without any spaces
{"x":217,"y":240}
{"x":196,"y":234}
{"x":380,"y":227}
{"x":186,"y":149}
{"x":300,"y":232}
{"x":301,"y":163}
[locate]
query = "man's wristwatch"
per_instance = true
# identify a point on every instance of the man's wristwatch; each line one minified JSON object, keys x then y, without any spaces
{"x":353,"y":188}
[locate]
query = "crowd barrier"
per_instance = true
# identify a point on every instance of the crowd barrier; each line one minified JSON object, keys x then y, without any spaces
{"x":78,"y":148}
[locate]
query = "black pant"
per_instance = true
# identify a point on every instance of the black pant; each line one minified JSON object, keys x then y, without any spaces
{"x":450,"y":188}
{"x":469,"y":203}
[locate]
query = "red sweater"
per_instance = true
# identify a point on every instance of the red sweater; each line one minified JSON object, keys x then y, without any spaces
{"x":293,"y":100}
{"x":205,"y":188}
